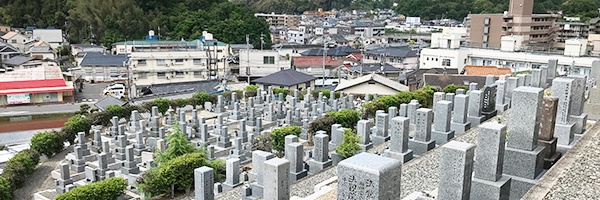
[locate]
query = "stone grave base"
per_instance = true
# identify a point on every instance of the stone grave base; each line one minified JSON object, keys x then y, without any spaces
{"x":227,"y":186}
{"x":419,"y":147}
{"x":377,"y":140}
{"x":257,"y":190}
{"x":475,"y":120}
{"x":482,"y":189}
{"x":404,"y":157}
{"x":519,"y":186}
{"x":500,"y":108}
{"x":564,"y":133}
{"x":441,"y":137}
{"x":549,"y":162}
{"x":550,"y":146}
{"x":316,"y":167}
{"x":297,"y":176}
{"x":580,"y":122}
{"x":365,"y":147}
{"x":522,"y":163}
{"x":489,"y":115}
{"x":460,"y":128}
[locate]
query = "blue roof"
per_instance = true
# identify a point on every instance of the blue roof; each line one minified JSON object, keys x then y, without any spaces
{"x":17,"y":60}
{"x":100,"y":59}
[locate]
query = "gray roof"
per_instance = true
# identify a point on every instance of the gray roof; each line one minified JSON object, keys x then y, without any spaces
{"x":241,"y":46}
{"x":100,"y":59}
{"x":286,"y":77}
{"x":163,"y":90}
{"x":108,"y":101}
{"x":374,"y":67}
{"x":40,"y":49}
{"x":48,"y":35}
{"x":17,"y":60}
{"x":401,"y":51}
{"x":337,"y":51}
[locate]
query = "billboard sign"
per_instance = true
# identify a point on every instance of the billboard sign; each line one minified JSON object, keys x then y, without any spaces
{"x":18,"y":98}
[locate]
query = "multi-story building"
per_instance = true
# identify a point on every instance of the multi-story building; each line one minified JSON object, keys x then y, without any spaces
{"x":295,"y":36}
{"x":594,"y":26}
{"x":258,"y":63}
{"x":369,"y":31}
{"x":572,"y":61}
{"x":166,"y":67}
{"x":18,"y":40}
{"x":538,"y":30}
{"x":398,"y":56}
{"x":54,"y":37}
{"x":570,"y":30}
{"x":277,"y":20}
{"x":102,"y":67}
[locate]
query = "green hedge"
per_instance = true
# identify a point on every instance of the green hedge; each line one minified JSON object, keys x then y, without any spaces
{"x":453,"y":87}
{"x":6,"y":191}
{"x":108,"y":189}
{"x":424,"y":95}
{"x":20,"y":166}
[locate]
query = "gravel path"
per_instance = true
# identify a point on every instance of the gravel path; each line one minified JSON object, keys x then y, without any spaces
{"x":41,"y":178}
{"x":576,"y":175}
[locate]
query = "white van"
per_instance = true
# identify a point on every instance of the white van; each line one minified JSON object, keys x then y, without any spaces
{"x":116,"y":90}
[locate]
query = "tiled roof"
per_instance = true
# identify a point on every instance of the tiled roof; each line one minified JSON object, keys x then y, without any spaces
{"x":48,"y":35}
{"x":401,"y":51}
{"x":9,"y":35}
{"x":375,"y":77}
{"x":474,"y":70}
{"x":17,"y":60}
{"x":311,"y":61}
{"x":109,"y":101}
{"x":354,"y":57}
{"x":337,"y":51}
{"x":100,"y":59}
{"x":374,"y":67}
{"x":287,"y":77}
{"x":442,"y":80}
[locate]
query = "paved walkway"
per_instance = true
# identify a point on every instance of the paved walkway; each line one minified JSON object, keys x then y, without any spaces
{"x":40,"y":109}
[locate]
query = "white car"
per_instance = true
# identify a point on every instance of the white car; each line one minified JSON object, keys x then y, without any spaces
{"x":116,"y":90}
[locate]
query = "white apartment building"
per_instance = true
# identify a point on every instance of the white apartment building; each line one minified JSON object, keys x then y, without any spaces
{"x":295,"y":36}
{"x":157,"y":68}
{"x":573,"y":61}
{"x":259,"y":63}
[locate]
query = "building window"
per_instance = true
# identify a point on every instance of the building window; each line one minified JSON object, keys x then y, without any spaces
{"x":179,"y":74}
{"x":178,"y":61}
{"x":465,"y":62}
{"x":142,"y":75}
{"x":161,"y":62}
{"x":446,"y":62}
{"x":197,"y":61}
{"x":197,"y":73}
{"x":122,"y":50}
{"x":219,"y":50}
{"x":141,"y":62}
{"x":13,"y":41}
{"x":161,"y":74}
{"x":269,"y":60}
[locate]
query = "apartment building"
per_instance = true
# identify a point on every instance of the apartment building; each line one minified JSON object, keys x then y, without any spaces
{"x":277,"y":20}
{"x":259,"y":63}
{"x":538,"y":30}
{"x":171,"y":67}
{"x":574,"y":60}
{"x":570,"y":30}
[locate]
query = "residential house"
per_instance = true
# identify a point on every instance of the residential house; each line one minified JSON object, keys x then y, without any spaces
{"x":292,"y":49}
{"x":368,"y":31}
{"x":17,"y":40}
{"x":370,"y":84}
{"x":255,"y":63}
{"x":54,"y":37}
{"x":4,"y":29}
{"x":313,"y":65}
{"x":99,"y":67}
{"x":42,"y":52}
{"x":43,"y":84}
{"x":335,"y":52}
{"x":385,"y":70}
{"x":295,"y":36}
{"x":288,"y":79}
{"x":85,"y":48}
{"x":398,"y":56}
{"x":7,"y":51}
{"x":165,"y":68}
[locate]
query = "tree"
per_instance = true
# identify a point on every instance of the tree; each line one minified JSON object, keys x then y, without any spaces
{"x":178,"y":146}
{"x":110,"y":188}
{"x":349,"y":147}
{"x":280,"y":133}
{"x":5,"y":189}
{"x":201,"y":97}
{"x":20,"y":166}
{"x":47,"y":143}
{"x":347,"y":118}
{"x":73,"y":126}
{"x":251,"y":88}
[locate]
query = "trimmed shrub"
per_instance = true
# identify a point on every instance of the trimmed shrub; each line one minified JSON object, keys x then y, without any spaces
{"x":280,"y":133}
{"x":20,"y":166}
{"x":347,"y":118}
{"x":453,"y":87}
{"x":321,"y":124}
{"x":110,"y":188}
{"x":349,"y":147}
{"x":251,"y":88}
{"x":5,"y":189}
{"x":162,"y":104}
{"x":47,"y":143}
{"x":176,"y":174}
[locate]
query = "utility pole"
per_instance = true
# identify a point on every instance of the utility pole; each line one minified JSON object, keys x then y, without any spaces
{"x":324,"y":54}
{"x":248,"y":57}
{"x":262,"y":41}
